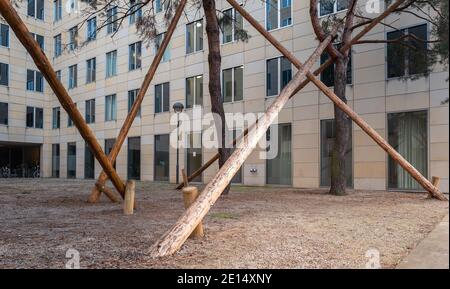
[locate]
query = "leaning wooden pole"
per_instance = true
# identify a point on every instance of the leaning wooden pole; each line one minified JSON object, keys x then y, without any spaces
{"x":317,"y":72}
{"x":43,"y":64}
{"x":423,"y":181}
{"x":178,"y":234}
{"x":95,"y":194}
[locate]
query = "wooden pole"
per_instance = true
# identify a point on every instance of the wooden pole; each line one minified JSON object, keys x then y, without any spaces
{"x":95,"y":193}
{"x":128,"y":204}
{"x":109,"y":193}
{"x":178,"y":234}
{"x":190,"y":194}
{"x":43,"y":64}
{"x":424,"y":182}
{"x":317,"y":72}
{"x":185,"y":178}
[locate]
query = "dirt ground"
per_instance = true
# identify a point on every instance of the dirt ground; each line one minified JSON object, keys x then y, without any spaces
{"x":250,"y":228}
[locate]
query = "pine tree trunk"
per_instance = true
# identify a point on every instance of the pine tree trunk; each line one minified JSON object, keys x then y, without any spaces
{"x":214,"y":62}
{"x":338,"y":172}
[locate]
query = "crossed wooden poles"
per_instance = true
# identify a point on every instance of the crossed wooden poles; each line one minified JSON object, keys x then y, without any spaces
{"x":177,"y":235}
{"x":44,"y":65}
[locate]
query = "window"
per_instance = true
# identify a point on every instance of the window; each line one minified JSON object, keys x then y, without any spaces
{"x":402,"y":60}
{"x":73,"y":38}
{"x":35,"y":81}
{"x":89,"y":163}
{"x":327,"y":137}
{"x":57,"y":10}
{"x":194,"y":156}
{"x":194,"y":91}
{"x":161,"y":5}
{"x":158,"y":42}
{"x":162,"y":96}
{"x":91,"y":29}
{"x":278,"y":14}
{"x":408,"y":134}
{"x":3,"y":113}
{"x":194,"y":36}
{"x":136,"y":11}
{"x":71,"y":160}
{"x":39,"y":39}
{"x":69,"y":120}
{"x":162,"y":146}
{"x":134,"y":56}
{"x":36,"y":9}
{"x":279,"y":168}
{"x":90,"y":111}
{"x":35,"y":117}
{"x":327,"y":7}
{"x":55,"y":160}
{"x":232,"y":84}
{"x":111,"y":63}
{"x":132,"y":95}
{"x":4,"y":74}
{"x":232,"y":23}
{"x":58,"y":45}
{"x":58,"y":74}
{"x":109,"y":143}
{"x":111,"y":20}
{"x":91,"y":68}
{"x":110,"y":107}
{"x":4,"y":35}
{"x":276,"y":81}
{"x":134,"y":158}
{"x":56,"y":117}
{"x":73,"y":76}
{"x":327,"y":76}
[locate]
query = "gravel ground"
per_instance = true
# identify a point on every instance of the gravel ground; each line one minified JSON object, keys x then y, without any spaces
{"x":250,"y":228}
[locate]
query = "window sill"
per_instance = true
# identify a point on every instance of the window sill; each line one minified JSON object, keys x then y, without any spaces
{"x":279,"y":28}
{"x":407,"y":77}
{"x":162,"y":112}
{"x":193,"y":53}
{"x":331,"y":14}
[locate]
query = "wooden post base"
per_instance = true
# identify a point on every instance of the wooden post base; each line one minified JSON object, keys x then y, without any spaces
{"x":435,"y":181}
{"x":190,"y":194}
{"x":128,"y":205}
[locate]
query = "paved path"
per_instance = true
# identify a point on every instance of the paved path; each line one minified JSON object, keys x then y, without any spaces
{"x":432,"y":252}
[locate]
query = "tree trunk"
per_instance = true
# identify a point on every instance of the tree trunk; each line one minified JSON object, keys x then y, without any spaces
{"x":342,"y":124}
{"x":215,"y":92}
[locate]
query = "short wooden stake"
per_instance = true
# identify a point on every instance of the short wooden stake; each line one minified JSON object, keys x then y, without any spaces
{"x":190,"y":194}
{"x":435,"y":181}
{"x":128,"y":205}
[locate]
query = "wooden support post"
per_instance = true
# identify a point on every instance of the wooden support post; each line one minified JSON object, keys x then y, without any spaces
{"x":435,"y":181}
{"x":190,"y":194}
{"x":185,"y":178}
{"x":178,"y":234}
{"x":128,"y":204}
{"x":109,"y":193}
{"x":341,"y":104}
{"x":330,"y":61}
{"x":95,"y":193}
{"x":43,"y":64}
